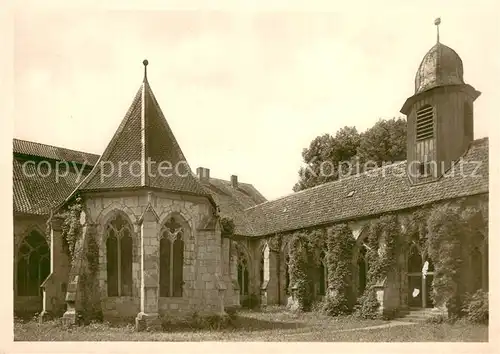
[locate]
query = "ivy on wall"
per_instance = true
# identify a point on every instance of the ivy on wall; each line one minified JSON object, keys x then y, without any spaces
{"x":453,"y":230}
{"x":383,"y":237}
{"x":227,"y":226}
{"x":91,"y":307}
{"x":447,"y":233}
{"x":340,"y":246}
{"x":415,"y":228}
{"x":299,"y":264}
{"x":71,"y":227}
{"x":71,"y":233}
{"x":275,"y":242}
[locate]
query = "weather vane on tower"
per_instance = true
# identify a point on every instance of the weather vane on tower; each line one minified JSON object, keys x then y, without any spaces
{"x":145,"y":63}
{"x":437,"y":22}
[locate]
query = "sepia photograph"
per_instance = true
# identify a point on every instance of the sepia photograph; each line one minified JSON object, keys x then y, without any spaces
{"x":252,"y":175}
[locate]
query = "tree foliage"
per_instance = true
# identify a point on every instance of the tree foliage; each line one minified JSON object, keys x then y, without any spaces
{"x":385,"y":142}
{"x":324,"y":155}
{"x":328,"y":156}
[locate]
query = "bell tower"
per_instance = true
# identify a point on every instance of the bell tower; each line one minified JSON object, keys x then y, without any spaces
{"x":440,"y":114}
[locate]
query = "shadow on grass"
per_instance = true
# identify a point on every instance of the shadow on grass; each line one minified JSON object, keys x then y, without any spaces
{"x":241,"y":323}
{"x":234,"y":324}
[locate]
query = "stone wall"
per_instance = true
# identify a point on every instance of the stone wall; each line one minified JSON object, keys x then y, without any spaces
{"x":202,"y":271}
{"x":23,"y":225}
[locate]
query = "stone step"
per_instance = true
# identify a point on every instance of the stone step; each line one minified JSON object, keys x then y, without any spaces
{"x":420,"y":315}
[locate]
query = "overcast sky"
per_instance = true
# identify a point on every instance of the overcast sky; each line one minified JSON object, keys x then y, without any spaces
{"x":244,"y":92}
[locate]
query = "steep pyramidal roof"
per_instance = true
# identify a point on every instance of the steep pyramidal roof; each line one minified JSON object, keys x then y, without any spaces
{"x":143,"y":153}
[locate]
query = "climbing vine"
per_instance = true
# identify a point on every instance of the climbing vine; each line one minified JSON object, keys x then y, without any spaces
{"x":71,"y":227}
{"x":383,"y":237}
{"x":447,"y":237}
{"x":227,"y":226}
{"x":90,"y":308}
{"x":340,"y":245}
{"x":275,"y":242}
{"x":299,"y":268}
{"x":415,"y":228}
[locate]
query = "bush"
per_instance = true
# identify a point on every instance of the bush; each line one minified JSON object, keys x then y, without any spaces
{"x":367,"y":307}
{"x":438,"y":319}
{"x":336,"y":305}
{"x":476,"y":307}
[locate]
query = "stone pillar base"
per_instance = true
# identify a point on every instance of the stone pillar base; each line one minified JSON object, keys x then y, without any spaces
{"x":147,"y":322}
{"x":69,"y":318}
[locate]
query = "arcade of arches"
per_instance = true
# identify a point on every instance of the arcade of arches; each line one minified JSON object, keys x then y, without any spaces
{"x":251,"y":271}
{"x":408,"y":286}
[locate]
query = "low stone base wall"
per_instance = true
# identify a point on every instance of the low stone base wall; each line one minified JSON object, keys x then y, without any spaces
{"x":124,"y":308}
{"x":181,"y":306}
{"x":27,"y":305}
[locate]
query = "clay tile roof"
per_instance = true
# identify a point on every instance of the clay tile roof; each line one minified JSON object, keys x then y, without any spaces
{"x":383,"y":190}
{"x":143,"y":135}
{"x":30,"y":148}
{"x":32,"y":192}
{"x":233,"y":201}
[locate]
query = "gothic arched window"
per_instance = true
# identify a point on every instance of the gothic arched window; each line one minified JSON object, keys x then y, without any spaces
{"x":33,"y":264}
{"x":171,"y":259}
{"x":119,"y":246}
{"x":243,"y":274}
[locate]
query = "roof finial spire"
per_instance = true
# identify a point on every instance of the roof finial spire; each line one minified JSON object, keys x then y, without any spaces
{"x":437,"y":22}
{"x":145,"y":62}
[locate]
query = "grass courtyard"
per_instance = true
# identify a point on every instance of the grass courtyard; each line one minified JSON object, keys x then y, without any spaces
{"x":269,"y":325}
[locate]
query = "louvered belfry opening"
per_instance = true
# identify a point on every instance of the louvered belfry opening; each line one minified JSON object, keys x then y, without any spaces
{"x":425,"y":123}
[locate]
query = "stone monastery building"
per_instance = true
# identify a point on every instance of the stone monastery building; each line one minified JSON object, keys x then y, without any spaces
{"x":133,"y":244}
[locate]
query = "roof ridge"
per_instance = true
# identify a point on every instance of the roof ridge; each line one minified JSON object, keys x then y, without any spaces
{"x":54,"y":146}
{"x":107,"y":151}
{"x":340,"y":180}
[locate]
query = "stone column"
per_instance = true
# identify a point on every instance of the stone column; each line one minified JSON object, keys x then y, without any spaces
{"x":233,"y":269}
{"x":148,"y":317}
{"x":271,"y":275}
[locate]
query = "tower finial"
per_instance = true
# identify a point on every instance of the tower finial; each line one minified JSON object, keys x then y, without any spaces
{"x":145,"y":62}
{"x":437,"y":22}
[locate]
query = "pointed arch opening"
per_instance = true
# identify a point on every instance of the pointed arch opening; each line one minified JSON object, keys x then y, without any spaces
{"x":420,"y":273}
{"x":243,"y":273}
{"x":33,"y":264}
{"x":360,"y":263}
{"x":172,"y":247}
{"x":362,"y":267}
{"x":119,"y":252}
